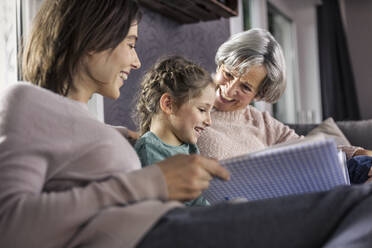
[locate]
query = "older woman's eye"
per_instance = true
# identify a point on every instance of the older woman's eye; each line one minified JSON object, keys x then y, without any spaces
{"x":228,"y":75}
{"x":246,"y":88}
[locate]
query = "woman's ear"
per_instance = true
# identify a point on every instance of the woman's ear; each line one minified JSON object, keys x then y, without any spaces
{"x":166,"y":103}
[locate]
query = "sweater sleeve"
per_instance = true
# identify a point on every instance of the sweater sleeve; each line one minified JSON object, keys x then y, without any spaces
{"x":60,"y":214}
{"x":276,"y":131}
{"x":349,"y":150}
{"x":31,"y":136}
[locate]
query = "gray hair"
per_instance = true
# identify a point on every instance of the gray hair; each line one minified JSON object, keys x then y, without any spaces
{"x":256,"y":47}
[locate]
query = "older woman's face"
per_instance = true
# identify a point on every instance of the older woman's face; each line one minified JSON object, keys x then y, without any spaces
{"x":236,"y":92}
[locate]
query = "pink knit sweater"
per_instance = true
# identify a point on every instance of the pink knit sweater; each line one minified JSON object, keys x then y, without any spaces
{"x":243,"y":131}
{"x":67,"y":179}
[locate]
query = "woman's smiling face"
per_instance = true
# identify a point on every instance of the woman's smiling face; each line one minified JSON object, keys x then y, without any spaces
{"x":236,"y":92}
{"x":110,"y":68}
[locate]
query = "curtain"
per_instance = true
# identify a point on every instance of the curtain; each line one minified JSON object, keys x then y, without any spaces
{"x":339,"y":99}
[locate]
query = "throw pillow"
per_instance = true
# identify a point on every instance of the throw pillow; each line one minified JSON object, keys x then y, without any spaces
{"x":329,"y":129}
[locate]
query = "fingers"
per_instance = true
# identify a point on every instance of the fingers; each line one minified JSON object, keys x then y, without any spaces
{"x":214,"y":168}
{"x":370,"y":172}
{"x":134,"y":135}
{"x":187,"y":176}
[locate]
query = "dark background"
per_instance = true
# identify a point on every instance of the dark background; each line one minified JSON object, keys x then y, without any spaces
{"x":159,"y":36}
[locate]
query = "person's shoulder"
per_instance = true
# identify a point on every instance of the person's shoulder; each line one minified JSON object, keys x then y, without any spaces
{"x":147,"y":140}
{"x":20,"y":90}
{"x":149,"y":150}
{"x":24,"y":95}
{"x":253,"y":110}
{"x":21,"y":98}
{"x":257,"y":114}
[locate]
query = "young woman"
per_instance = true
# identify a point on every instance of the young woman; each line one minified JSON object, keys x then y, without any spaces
{"x":67,"y":180}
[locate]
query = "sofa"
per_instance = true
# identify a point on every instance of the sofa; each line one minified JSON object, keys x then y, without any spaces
{"x":357,"y":133}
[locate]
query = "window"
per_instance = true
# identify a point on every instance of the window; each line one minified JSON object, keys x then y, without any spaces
{"x":8,"y":43}
{"x":15,"y":24}
{"x":282,"y":28}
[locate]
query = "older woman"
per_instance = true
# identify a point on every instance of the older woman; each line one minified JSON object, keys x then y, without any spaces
{"x":68,"y":180}
{"x":250,"y":66}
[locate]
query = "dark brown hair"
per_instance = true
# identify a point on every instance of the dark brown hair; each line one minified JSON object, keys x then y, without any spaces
{"x":65,"y":30}
{"x":175,"y":75}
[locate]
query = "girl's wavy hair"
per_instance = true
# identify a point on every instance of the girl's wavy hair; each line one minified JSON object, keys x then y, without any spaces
{"x":174,"y":75}
{"x":66,"y":30}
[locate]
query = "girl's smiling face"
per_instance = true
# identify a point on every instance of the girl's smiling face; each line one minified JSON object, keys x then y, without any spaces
{"x":192,"y":117}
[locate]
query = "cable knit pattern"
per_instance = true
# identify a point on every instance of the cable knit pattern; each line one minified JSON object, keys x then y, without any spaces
{"x":247,"y":130}
{"x":238,"y":132}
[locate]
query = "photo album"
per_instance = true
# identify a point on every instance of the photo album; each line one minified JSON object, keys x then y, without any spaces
{"x":301,"y":166}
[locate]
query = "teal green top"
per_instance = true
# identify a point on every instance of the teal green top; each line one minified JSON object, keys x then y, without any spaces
{"x":151,"y":149}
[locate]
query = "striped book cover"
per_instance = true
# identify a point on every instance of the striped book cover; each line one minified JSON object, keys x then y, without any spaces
{"x":311,"y":165}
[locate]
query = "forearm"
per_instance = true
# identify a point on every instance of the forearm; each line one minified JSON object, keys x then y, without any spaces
{"x":350,"y":151}
{"x":362,"y":151}
{"x":58,"y":216}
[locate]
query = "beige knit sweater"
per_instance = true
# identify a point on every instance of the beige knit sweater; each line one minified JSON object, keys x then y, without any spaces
{"x":67,"y":179}
{"x":243,"y":131}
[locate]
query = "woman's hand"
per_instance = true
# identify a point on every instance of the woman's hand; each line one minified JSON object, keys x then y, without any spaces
{"x":369,"y":175}
{"x":188,"y":175}
{"x":130,"y":135}
{"x":363,"y":152}
{"x":133,"y":135}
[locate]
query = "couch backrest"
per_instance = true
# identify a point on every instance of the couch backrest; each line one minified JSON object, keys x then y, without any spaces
{"x":359,"y":133}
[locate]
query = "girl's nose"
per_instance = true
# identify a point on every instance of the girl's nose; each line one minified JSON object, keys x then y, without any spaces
{"x":208,"y":120}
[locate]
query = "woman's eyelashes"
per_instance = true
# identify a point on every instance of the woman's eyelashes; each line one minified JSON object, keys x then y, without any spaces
{"x":202,"y":110}
{"x":206,"y":109}
{"x":246,"y":88}
{"x":228,"y":75}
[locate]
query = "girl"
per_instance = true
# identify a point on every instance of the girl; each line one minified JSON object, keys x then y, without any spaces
{"x":174,"y":106}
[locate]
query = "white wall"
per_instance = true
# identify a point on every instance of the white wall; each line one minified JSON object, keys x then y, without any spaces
{"x":8,"y":43}
{"x":237,"y":22}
